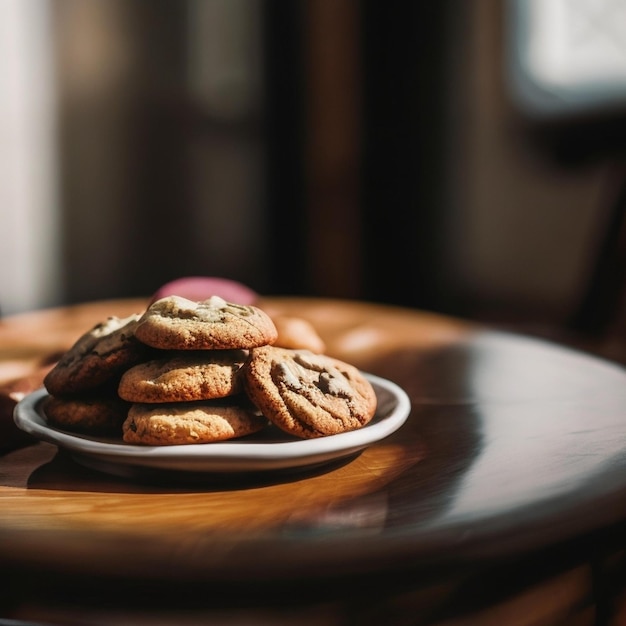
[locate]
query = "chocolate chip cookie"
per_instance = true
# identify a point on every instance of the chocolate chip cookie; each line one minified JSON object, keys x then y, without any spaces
{"x":185,"y":377}
{"x":189,"y":422}
{"x":95,"y":414}
{"x":97,"y":357}
{"x":175,"y":323}
{"x":308,"y":395}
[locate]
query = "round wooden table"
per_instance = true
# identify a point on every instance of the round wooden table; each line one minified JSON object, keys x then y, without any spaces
{"x":501,"y":500}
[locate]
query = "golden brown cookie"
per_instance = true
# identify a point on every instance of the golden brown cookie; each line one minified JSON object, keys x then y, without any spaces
{"x":89,"y":414}
{"x":175,"y":323}
{"x":308,"y":395}
{"x":97,"y":357}
{"x":185,"y":377}
{"x":297,"y":333}
{"x":190,"y":422}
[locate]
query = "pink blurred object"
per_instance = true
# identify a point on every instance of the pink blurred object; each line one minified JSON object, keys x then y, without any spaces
{"x":203,"y":287}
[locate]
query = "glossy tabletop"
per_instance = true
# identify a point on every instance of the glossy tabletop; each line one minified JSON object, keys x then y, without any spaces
{"x":513,"y":445}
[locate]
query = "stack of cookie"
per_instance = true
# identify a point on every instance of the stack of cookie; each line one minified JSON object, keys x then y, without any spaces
{"x":204,"y":371}
{"x":83,"y":383}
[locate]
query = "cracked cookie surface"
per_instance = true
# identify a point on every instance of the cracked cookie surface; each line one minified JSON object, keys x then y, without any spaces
{"x":308,"y":395}
{"x":189,"y":423}
{"x":176,"y":323}
{"x":97,"y":357}
{"x":185,"y":377}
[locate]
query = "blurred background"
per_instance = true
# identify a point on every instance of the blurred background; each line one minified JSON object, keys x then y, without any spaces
{"x":463,"y":157}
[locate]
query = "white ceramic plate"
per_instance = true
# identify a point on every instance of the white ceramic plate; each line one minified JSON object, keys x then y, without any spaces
{"x":256,"y":453}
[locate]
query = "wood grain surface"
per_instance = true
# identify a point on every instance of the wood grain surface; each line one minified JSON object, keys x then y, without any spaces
{"x":501,"y":498}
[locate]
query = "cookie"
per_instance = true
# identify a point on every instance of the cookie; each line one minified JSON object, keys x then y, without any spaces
{"x":308,"y":395}
{"x":176,"y":323}
{"x":97,"y":357}
{"x":185,"y":377}
{"x":89,"y":414}
{"x":296,"y":333}
{"x":189,"y":423}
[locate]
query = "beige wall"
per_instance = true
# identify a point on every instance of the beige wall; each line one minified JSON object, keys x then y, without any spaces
{"x":29,"y":276}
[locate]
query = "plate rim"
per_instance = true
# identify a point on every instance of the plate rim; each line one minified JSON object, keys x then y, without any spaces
{"x":27,"y":417}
